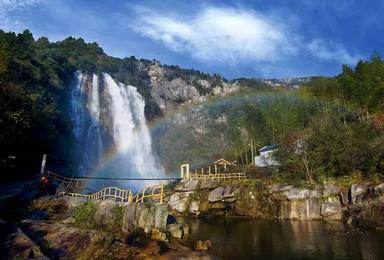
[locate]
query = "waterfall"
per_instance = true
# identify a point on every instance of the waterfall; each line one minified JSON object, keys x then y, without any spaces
{"x":109,"y":116}
{"x":86,"y":113}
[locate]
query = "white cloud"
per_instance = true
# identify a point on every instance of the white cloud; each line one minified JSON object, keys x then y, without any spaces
{"x":218,"y":34}
{"x":12,"y":4}
{"x":235,"y":35}
{"x":330,"y":51}
{"x":7,"y":7}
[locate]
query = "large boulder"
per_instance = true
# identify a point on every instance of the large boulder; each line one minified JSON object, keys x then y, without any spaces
{"x":222,"y":194}
{"x":307,"y":209}
{"x":129,"y":221}
{"x":209,"y":185}
{"x":158,"y":235}
{"x":179,"y":231}
{"x":276,"y":188}
{"x":104,"y":212}
{"x":297,"y":194}
{"x":161,"y":215}
{"x":179,"y":201}
{"x":145,"y":215}
{"x":358,"y":192}
{"x":176,"y":230}
{"x":344,"y":196}
{"x":62,"y":241}
{"x":189,"y":185}
{"x":194,"y":207}
{"x":73,"y":202}
{"x":20,"y":246}
{"x":332,"y":211}
{"x":379,"y":189}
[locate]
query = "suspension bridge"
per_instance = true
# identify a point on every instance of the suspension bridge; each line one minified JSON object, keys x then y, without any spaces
{"x":72,"y":186}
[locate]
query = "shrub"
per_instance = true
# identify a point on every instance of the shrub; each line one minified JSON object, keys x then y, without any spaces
{"x":84,"y":215}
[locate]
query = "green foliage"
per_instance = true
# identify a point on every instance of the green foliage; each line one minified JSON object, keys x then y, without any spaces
{"x":341,"y":139}
{"x":84,"y":215}
{"x":32,"y":79}
{"x":361,"y":88}
{"x":332,"y":147}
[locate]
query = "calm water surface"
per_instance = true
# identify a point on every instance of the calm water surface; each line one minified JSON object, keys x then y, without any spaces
{"x":270,"y":239}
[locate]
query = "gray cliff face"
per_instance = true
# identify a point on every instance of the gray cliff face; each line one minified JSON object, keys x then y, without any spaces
{"x":363,"y":207}
{"x":169,"y":91}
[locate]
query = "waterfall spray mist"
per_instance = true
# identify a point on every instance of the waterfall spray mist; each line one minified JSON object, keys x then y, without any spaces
{"x":109,"y":116}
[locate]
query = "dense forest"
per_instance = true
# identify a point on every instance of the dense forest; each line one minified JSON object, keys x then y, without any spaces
{"x":330,"y":127}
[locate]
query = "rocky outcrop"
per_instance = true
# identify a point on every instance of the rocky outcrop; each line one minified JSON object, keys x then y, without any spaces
{"x":358,"y":191}
{"x":190,"y":185}
{"x":146,"y":216}
{"x":331,"y":189}
{"x":150,"y":233}
{"x":20,"y":246}
{"x":179,"y":201}
{"x":194,"y":207}
{"x":328,"y":201}
{"x":222,"y":194}
{"x":169,"y":91}
{"x":61,"y":241}
{"x":332,"y":211}
{"x":178,"y":230}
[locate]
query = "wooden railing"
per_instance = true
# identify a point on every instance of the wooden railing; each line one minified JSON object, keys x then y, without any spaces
{"x":218,"y":176}
{"x":107,"y":193}
{"x":68,"y":184}
{"x":154,"y":194}
{"x":74,"y":182}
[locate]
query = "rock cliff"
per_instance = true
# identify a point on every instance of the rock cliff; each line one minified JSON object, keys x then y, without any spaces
{"x":253,"y":198}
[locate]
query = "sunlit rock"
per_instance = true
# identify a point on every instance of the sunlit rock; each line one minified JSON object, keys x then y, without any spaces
{"x":297,"y":194}
{"x":332,"y":211}
{"x":176,"y":230}
{"x":379,"y":188}
{"x":223,"y":194}
{"x":190,"y":185}
{"x":179,"y":201}
{"x":358,"y":191}
{"x":194,"y":207}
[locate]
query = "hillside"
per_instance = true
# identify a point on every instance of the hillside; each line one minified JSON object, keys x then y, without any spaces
{"x":195,"y":116}
{"x":36,"y":76}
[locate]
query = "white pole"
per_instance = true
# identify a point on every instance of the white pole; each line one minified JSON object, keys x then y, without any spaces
{"x":43,"y":161}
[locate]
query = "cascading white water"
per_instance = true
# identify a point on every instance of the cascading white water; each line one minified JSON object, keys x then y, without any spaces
{"x":86,"y":114}
{"x":109,"y":115}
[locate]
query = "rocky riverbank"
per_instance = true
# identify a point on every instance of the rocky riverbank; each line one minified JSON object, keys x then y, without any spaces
{"x":75,"y":229}
{"x":358,"y":205}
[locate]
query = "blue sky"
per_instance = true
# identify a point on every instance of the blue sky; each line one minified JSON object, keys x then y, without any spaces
{"x":264,"y":39}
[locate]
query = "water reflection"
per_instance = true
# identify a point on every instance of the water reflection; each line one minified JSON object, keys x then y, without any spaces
{"x":267,"y":239}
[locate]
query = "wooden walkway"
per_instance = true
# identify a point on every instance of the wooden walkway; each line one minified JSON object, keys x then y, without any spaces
{"x":68,"y":185}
